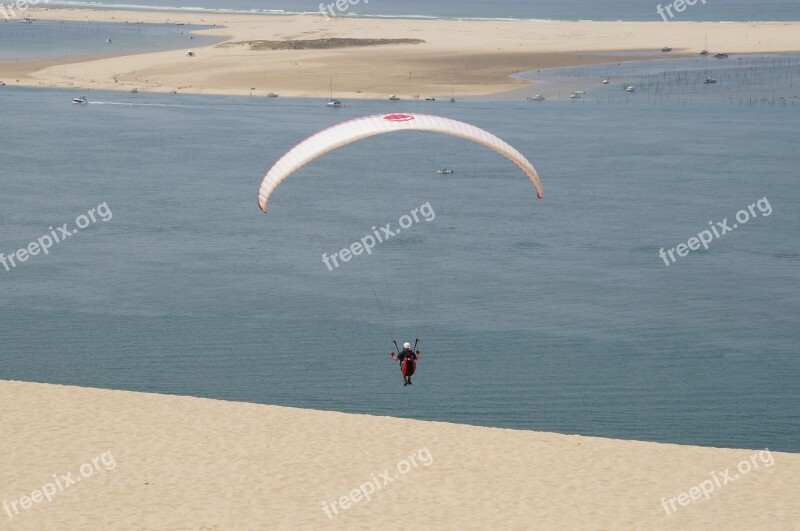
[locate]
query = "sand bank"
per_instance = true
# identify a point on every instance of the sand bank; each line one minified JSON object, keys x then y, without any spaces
{"x":456,"y":57}
{"x":147,"y":461}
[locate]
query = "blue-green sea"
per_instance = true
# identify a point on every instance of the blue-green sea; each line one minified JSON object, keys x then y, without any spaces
{"x":554,"y":315}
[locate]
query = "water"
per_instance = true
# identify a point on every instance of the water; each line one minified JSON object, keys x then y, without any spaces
{"x":20,"y":41}
{"x":552,"y":315}
{"x":766,"y":80}
{"x":714,"y":10}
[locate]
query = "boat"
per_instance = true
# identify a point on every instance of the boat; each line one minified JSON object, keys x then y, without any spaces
{"x":666,"y":49}
{"x":538,"y":97}
{"x":134,"y":91}
{"x":575,"y":96}
{"x":173,"y":91}
{"x":272,"y":95}
{"x":452,"y":100}
{"x":630,"y":89}
{"x":710,"y":81}
{"x":108,"y":40}
{"x":79,"y":100}
{"x":430,"y":98}
{"x":720,"y":56}
{"x":2,"y":84}
{"x":190,"y":54}
{"x":704,"y":51}
{"x":606,"y":82}
{"x":579,"y":92}
{"x":393,"y":97}
{"x":332,"y":102}
{"x":444,"y":171}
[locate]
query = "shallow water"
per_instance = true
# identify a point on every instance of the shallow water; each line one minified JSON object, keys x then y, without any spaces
{"x":713,"y":10}
{"x":547,"y":315}
{"x":41,"y":39}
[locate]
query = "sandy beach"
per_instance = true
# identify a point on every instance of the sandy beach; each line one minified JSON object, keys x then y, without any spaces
{"x":77,"y":458}
{"x":456,"y":57}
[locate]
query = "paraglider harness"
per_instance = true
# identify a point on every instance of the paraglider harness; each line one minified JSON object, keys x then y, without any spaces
{"x":407,"y":356}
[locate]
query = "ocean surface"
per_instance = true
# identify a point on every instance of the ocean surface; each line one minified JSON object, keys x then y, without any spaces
{"x":554,"y":315}
{"x":42,"y":39}
{"x":641,"y":10}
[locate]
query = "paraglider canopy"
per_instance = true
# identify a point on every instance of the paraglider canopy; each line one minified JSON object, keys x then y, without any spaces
{"x":360,"y":128}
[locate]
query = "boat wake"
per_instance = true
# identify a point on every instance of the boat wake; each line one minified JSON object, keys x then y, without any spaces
{"x":127,"y":104}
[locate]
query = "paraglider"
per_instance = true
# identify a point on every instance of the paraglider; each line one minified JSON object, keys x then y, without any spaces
{"x":360,"y":128}
{"x":408,"y":361}
{"x":354,"y":130}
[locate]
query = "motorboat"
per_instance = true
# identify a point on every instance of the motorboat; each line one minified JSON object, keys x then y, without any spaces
{"x":134,"y":91}
{"x":452,"y":100}
{"x":575,"y":96}
{"x":79,"y":100}
{"x":606,"y":82}
{"x":579,"y":92}
{"x":666,"y":49}
{"x":631,"y":89}
{"x":444,"y":171}
{"x":720,"y":56}
{"x":430,"y":98}
{"x":538,"y":97}
{"x":272,"y":95}
{"x":710,"y":81}
{"x":393,"y":98}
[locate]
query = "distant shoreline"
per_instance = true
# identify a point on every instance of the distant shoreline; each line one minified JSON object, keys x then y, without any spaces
{"x":416,"y":57}
{"x":288,"y":13}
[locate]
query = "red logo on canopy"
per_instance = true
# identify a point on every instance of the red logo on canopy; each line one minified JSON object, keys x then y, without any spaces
{"x":398,"y":117}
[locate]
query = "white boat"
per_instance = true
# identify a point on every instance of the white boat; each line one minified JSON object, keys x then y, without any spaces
{"x":393,"y":97}
{"x":606,"y":82}
{"x":79,"y":100}
{"x":538,"y":97}
{"x":108,"y":40}
{"x":631,"y":89}
{"x":710,"y":81}
{"x":430,"y":98}
{"x":332,"y":102}
{"x":272,"y":95}
{"x":666,"y":49}
{"x":444,"y":171}
{"x":579,"y":92}
{"x":575,"y":96}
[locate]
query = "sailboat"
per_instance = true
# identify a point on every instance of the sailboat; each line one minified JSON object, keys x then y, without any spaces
{"x":332,"y":102}
{"x":705,"y":50}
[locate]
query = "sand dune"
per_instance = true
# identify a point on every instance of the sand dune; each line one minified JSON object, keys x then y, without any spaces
{"x":458,"y":57}
{"x":149,"y":461}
